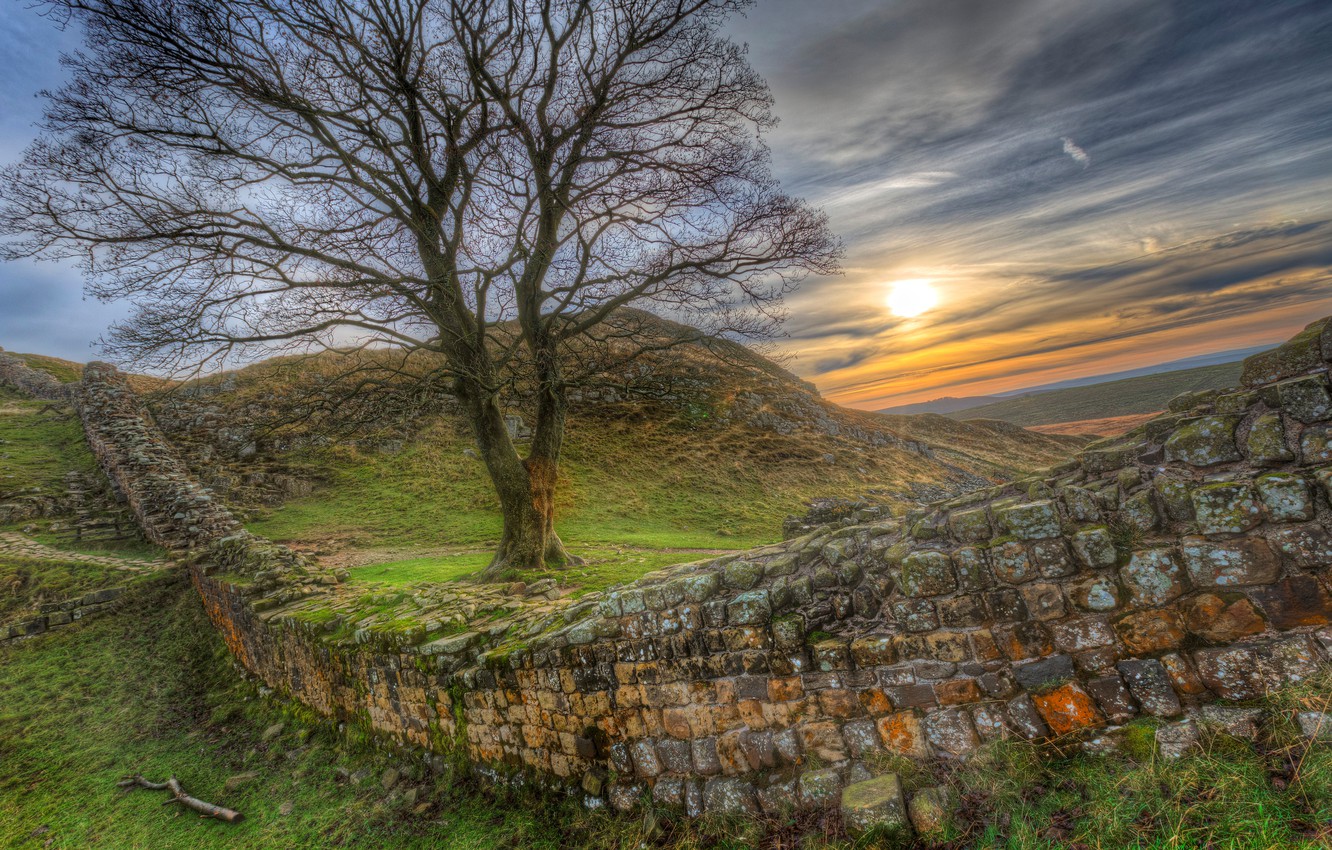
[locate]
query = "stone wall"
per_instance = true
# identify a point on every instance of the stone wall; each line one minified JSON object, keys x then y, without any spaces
{"x":171,"y":507}
{"x":56,"y":614}
{"x":16,"y":374}
{"x":1184,"y":562}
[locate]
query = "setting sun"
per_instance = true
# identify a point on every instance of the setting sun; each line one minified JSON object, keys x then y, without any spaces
{"x":910,"y":298}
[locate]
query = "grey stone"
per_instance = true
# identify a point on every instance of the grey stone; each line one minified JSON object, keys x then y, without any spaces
{"x":1046,"y":671}
{"x":931,"y":810}
{"x":1315,"y":725}
{"x":819,"y":787}
{"x":1229,"y":563}
{"x":1286,"y":497}
{"x":1152,"y":577}
{"x":1176,"y":740}
{"x":730,"y":796}
{"x":927,"y":574}
{"x":1226,"y":508}
{"x":876,"y":804}
{"x":1205,"y":441}
{"x":1095,"y":548}
{"x":1150,"y":685}
{"x":1031,"y":521}
{"x":1266,"y":443}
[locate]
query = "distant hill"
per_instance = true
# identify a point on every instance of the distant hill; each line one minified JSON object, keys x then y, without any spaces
{"x":1145,"y":394}
{"x":953,"y":404}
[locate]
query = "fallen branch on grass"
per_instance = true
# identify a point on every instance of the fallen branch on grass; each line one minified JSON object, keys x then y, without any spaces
{"x":178,"y":795}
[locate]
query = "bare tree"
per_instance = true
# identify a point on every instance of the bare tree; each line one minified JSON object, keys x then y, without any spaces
{"x":481,"y":180}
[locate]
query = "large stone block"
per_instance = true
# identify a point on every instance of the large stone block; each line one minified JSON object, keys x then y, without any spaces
{"x":1305,"y":398}
{"x":927,"y":574}
{"x":1146,"y":632}
{"x":1032,"y":521}
{"x":1096,"y":593}
{"x":1316,"y":445}
{"x":1010,"y":563}
{"x":1152,"y":577}
{"x":1222,"y":618}
{"x":1294,"y":602}
{"x":970,"y":526}
{"x":1067,"y":709}
{"x":1226,"y":508}
{"x":951,"y":732}
{"x":1302,"y":353}
{"x":1095,"y":548}
{"x":1229,"y":563}
{"x":1308,"y":545}
{"x":875,"y":805}
{"x":749,"y":609}
{"x":1205,"y":441}
{"x":1266,"y":443}
{"x":903,"y":734}
{"x":1286,"y":497}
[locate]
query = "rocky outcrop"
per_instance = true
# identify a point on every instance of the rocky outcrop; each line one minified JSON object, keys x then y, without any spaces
{"x":1183,"y":563}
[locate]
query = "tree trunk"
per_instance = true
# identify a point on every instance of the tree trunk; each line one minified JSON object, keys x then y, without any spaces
{"x":526,"y":490}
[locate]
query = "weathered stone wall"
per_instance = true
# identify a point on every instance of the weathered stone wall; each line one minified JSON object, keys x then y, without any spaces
{"x":1185,"y":562}
{"x":56,"y":614}
{"x":18,"y":375}
{"x":172,"y":508}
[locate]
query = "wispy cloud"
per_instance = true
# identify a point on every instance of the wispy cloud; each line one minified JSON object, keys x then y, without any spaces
{"x":1078,"y":154}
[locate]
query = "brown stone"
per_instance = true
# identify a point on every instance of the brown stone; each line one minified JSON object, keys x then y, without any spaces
{"x":957,"y":692}
{"x":1222,"y":619}
{"x":875,"y":701}
{"x":1147,"y":632}
{"x":1294,"y":602}
{"x":783,"y":690}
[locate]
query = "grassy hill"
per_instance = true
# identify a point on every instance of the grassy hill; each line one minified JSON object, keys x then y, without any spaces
{"x":715,"y":464}
{"x":1146,"y":394}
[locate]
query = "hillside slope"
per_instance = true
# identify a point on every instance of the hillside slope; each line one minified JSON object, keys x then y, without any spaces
{"x":1146,"y":394}
{"x":713,"y":460}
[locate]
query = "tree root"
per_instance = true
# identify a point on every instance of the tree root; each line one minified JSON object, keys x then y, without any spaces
{"x":178,"y":795}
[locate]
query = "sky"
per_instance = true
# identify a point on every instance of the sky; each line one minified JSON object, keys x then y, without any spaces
{"x":1029,"y":190}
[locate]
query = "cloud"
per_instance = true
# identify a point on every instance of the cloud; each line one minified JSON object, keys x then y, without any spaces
{"x":1078,"y":154}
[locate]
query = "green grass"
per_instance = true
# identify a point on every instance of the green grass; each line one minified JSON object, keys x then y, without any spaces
{"x":155,"y":693}
{"x":1146,"y":394}
{"x":605,"y":566}
{"x":37,"y":449}
{"x":626,"y":485}
{"x":27,"y":582}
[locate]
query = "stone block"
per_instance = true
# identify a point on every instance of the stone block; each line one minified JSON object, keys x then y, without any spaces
{"x":1286,"y":497}
{"x":1031,"y":521}
{"x":1096,"y":593}
{"x":862,"y":738}
{"x":749,"y":609}
{"x":1316,"y":445}
{"x":1150,"y":632}
{"x":927,"y":574}
{"x":1308,"y":545}
{"x":1095,"y":548}
{"x":1005,"y":605}
{"x":931,"y":811}
{"x":1024,"y":640}
{"x":1234,"y":721}
{"x":876,"y":805}
{"x":1175,"y":496}
{"x":1315,"y":725}
{"x":742,"y":574}
{"x":1204,"y":441}
{"x":1052,"y":558}
{"x":951,"y":732}
{"x":1044,"y":673}
{"x":1152,"y":577}
{"x":1236,"y":672}
{"x":1025,"y":719}
{"x":1114,"y":700}
{"x":903,"y":734}
{"x":1294,"y":602}
{"x":1305,"y":398}
{"x":970,"y":526}
{"x":1010,"y":563}
{"x":972,"y":566}
{"x":1149,"y":683}
{"x":730,"y":796}
{"x":1222,"y":618}
{"x":1079,"y":634}
{"x":1302,"y":353}
{"x":873,"y":651}
{"x":1176,"y":740}
{"x":915,"y":615}
{"x":1067,"y":709}
{"x":1266,"y":443}
{"x":1081,"y":505}
{"x":1229,"y":563}
{"x":1139,"y":512}
{"x":1044,"y":600}
{"x":962,"y":611}
{"x":817,"y":788}
{"x":1226,"y":508}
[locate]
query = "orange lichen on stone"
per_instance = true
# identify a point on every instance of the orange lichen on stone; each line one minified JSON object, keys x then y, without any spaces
{"x":1068,"y":708}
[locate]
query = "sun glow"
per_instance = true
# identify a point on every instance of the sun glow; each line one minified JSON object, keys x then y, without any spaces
{"x":910,"y":298}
